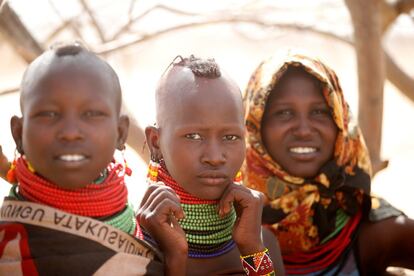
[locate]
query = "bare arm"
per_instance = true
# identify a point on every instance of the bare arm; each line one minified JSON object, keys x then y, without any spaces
{"x":272,"y":244}
{"x":4,"y":164}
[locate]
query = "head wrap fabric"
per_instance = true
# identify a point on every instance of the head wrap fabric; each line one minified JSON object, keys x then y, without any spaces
{"x":304,"y":213}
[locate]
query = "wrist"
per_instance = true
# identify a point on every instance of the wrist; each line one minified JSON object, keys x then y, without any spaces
{"x":251,"y":248}
{"x":175,"y":263}
{"x":258,"y":264}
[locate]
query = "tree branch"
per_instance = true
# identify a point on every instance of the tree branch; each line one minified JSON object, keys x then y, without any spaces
{"x":399,"y":78}
{"x":9,"y":91}
{"x":131,"y":9}
{"x":17,"y":34}
{"x":132,"y":21}
{"x":93,"y":20}
{"x":390,"y":11}
{"x":134,"y":39}
{"x":59,"y":29}
{"x":68,"y":22}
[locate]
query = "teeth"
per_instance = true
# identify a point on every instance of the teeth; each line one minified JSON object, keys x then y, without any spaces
{"x":303,"y":150}
{"x":72,"y":157}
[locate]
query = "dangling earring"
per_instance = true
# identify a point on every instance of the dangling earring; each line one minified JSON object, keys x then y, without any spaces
{"x":153,"y":167}
{"x":30,"y":167}
{"x":238,"y":178}
{"x":128,"y":170}
{"x":11,"y":173}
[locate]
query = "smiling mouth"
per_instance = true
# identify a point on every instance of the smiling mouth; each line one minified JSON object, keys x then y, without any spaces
{"x":303,"y":150}
{"x":72,"y":158}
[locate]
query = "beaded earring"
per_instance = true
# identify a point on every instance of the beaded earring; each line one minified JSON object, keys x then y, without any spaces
{"x":128,"y":170}
{"x":30,"y":167}
{"x":153,"y":167}
{"x":238,"y":179}
{"x":11,"y":173}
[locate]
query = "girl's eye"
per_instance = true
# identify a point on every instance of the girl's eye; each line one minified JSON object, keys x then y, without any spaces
{"x":47,"y":114}
{"x":230,"y":137}
{"x":321,"y":111}
{"x":193,"y":136}
{"x":93,"y":113}
{"x":283,"y":113}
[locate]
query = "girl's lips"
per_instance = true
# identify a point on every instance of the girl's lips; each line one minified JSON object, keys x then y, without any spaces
{"x":213,"y":178}
{"x":213,"y":181}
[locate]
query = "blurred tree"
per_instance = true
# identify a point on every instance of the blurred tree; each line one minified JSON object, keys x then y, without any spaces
{"x":370,"y":20}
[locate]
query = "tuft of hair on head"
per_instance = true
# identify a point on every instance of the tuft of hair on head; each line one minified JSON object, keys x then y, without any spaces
{"x":68,"y":49}
{"x":205,"y":68}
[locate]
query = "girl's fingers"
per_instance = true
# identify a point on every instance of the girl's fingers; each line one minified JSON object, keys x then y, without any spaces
{"x":234,"y":194}
{"x":155,"y":196}
{"x":150,"y":191}
{"x":170,"y":208}
{"x":161,"y":199}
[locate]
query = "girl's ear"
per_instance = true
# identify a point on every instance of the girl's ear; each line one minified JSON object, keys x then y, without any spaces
{"x":152,"y":135}
{"x":123,"y":127}
{"x":16,"y":126}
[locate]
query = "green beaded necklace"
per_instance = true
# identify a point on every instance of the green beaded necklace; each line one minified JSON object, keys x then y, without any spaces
{"x":203,"y":225}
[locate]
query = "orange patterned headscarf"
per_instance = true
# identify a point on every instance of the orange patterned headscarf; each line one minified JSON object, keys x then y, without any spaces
{"x":305,"y":213}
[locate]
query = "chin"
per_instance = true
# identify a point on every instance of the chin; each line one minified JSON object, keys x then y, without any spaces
{"x":304,"y":173}
{"x":209,"y":195}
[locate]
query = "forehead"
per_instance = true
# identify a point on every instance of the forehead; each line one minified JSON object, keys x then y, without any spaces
{"x":78,"y":75}
{"x":299,"y":85}
{"x":201,"y":100}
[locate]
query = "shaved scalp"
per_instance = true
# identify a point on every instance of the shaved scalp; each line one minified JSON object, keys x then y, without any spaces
{"x":181,"y":77}
{"x":72,"y":55}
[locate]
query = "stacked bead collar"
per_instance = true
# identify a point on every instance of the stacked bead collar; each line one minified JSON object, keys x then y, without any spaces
{"x":208,"y":235}
{"x":106,"y":199}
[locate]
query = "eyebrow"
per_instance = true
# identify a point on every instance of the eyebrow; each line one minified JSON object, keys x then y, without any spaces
{"x":202,"y":127}
{"x":282,"y":102}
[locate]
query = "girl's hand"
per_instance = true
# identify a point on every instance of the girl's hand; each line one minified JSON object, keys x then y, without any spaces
{"x":4,"y":164}
{"x":247,"y":229}
{"x":160,"y":208}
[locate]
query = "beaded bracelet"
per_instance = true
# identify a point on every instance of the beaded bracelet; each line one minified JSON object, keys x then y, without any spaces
{"x":258,"y":264}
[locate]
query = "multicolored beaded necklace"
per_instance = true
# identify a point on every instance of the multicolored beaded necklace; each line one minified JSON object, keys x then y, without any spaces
{"x":208,"y":235}
{"x":106,"y":199}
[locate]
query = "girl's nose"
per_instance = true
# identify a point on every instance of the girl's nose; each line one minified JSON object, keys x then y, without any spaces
{"x":213,"y":154}
{"x":70,"y":129}
{"x":303,"y":127}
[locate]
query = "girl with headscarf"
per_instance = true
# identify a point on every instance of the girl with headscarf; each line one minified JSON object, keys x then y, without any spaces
{"x":307,"y":155}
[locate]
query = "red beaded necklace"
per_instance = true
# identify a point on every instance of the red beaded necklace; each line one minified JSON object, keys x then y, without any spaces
{"x":95,"y":200}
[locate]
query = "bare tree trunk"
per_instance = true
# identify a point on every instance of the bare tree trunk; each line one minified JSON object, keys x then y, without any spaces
{"x":366,"y":19}
{"x":17,"y":34}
